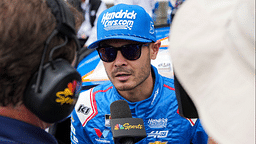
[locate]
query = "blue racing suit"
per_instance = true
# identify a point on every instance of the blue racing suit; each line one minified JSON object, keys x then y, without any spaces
{"x":90,"y":120}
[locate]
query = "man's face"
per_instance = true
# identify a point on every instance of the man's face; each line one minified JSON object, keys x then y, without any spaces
{"x":128,"y":74}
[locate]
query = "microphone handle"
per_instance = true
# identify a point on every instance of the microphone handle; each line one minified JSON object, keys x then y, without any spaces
{"x":127,"y":140}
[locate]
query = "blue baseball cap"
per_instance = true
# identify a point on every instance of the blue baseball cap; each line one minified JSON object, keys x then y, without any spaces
{"x":128,"y":22}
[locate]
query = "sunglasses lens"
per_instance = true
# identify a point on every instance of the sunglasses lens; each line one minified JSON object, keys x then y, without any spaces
{"x":131,"y":52}
{"x":107,"y":54}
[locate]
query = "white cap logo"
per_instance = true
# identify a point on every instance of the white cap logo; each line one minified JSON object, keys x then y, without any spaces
{"x":152,"y":29}
{"x":118,"y":20}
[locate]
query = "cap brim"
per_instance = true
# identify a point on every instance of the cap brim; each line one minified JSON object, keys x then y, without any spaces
{"x":95,"y":44}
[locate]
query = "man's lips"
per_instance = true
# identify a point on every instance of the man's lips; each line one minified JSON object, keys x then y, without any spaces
{"x":122,"y":76}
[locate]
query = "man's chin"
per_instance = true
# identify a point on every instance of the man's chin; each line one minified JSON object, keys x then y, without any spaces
{"x":123,"y":87}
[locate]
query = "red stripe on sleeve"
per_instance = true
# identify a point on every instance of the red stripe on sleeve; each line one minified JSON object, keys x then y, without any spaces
{"x":93,"y":103}
{"x":171,"y":88}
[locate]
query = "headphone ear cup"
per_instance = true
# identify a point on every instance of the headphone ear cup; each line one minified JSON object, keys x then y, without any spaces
{"x":58,"y":92}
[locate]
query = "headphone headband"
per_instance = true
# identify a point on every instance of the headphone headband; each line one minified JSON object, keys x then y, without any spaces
{"x":65,"y":19}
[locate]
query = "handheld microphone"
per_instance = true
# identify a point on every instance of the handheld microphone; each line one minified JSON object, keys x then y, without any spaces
{"x":125,"y":129}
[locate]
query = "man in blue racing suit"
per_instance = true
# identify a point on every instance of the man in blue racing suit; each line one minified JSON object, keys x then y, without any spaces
{"x":151,"y":97}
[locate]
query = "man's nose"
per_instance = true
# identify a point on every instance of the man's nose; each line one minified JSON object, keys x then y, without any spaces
{"x":120,"y":59}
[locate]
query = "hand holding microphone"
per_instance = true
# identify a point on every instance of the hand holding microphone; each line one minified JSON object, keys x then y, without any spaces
{"x":125,"y":129}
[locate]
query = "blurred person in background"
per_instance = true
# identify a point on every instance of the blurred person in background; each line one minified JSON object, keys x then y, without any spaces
{"x":91,"y":9}
{"x":148,"y":5}
{"x":174,"y":6}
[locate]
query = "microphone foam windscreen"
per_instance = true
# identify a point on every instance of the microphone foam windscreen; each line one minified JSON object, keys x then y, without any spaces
{"x":120,"y":109}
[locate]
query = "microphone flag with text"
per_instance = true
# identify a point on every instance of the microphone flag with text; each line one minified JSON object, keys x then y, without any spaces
{"x":125,"y":129}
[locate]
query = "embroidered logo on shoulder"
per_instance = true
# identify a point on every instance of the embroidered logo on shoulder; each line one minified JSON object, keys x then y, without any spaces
{"x":83,"y":109}
{"x":86,"y":107}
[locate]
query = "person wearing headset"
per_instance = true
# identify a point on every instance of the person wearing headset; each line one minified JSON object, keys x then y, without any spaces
{"x":34,"y":35}
{"x":126,"y":44}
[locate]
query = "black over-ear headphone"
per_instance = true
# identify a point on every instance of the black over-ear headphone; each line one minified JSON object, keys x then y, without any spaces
{"x":52,"y":92}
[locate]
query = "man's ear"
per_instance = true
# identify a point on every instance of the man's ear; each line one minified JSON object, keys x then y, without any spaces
{"x":154,"y":48}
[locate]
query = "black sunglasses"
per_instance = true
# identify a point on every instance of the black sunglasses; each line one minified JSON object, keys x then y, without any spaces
{"x":108,"y":53}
